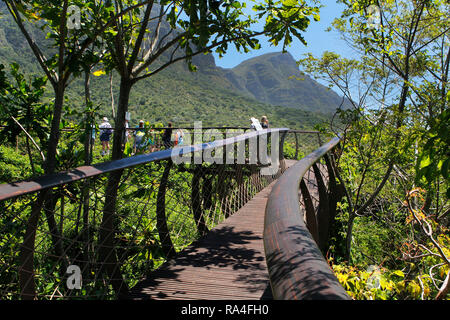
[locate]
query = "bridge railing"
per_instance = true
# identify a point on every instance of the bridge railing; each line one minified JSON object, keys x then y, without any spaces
{"x":298,"y":223}
{"x":299,"y":143}
{"x":94,"y":231}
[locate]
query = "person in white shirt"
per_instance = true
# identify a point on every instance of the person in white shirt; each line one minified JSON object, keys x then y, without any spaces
{"x":105,"y":135}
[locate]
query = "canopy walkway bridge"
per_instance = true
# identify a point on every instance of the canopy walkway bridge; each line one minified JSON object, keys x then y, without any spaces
{"x":237,"y":217}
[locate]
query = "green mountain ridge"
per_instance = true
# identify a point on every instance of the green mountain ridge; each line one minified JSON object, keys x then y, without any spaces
{"x":275,"y":78}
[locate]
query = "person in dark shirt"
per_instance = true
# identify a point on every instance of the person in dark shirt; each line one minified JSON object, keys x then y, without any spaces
{"x":167,"y":136}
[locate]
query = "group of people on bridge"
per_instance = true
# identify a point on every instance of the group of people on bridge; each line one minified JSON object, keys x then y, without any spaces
{"x":144,"y":139}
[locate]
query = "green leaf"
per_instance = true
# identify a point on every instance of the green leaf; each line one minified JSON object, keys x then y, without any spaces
{"x":399,"y":273}
{"x":99,"y":73}
{"x":425,"y":161}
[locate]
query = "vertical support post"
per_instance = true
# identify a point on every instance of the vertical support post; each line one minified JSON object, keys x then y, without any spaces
{"x":318,"y":138}
{"x":196,"y":202}
{"x":281,"y":150}
{"x":241,"y":186}
{"x":310,"y":216}
{"x":161,"y":221}
{"x":296,"y":146}
{"x":207,"y":192}
{"x":332,"y":188}
{"x":323,"y":215}
{"x":335,"y":193}
{"x":222,"y":190}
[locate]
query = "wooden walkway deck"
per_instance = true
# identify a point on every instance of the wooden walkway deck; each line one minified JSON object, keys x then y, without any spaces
{"x":227,"y":264}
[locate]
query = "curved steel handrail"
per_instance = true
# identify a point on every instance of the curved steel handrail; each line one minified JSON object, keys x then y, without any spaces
{"x":11,"y":190}
{"x":297,"y":268}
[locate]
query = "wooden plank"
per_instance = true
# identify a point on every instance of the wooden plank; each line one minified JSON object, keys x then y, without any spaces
{"x":228,"y":263}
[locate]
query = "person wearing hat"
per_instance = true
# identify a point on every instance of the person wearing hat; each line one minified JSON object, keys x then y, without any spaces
{"x":105,"y":135}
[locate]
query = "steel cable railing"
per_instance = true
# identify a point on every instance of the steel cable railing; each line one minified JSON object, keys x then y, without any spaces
{"x":71,"y":221}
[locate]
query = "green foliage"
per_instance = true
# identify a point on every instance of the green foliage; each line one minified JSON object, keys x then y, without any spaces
{"x":284,"y":19}
{"x":289,"y":151}
{"x":434,"y":159}
{"x":395,"y":139}
{"x":13,"y":165}
{"x":22,"y":101}
{"x":378,"y":283}
{"x":369,"y":282}
{"x":208,"y":95}
{"x":374,"y":242}
{"x":406,"y":128}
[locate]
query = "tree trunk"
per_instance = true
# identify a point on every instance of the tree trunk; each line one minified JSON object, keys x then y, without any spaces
{"x":50,"y":164}
{"x":196,"y":201}
{"x":26,"y":256}
{"x":119,"y":121}
{"x":107,"y":254}
{"x":26,"y":271}
{"x":161,"y":220}
{"x":86,"y":184}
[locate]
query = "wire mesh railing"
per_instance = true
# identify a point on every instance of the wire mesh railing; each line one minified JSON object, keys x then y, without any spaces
{"x":93,"y":232}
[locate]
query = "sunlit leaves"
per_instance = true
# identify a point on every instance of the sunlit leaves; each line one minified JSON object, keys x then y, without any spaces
{"x":98,"y":73}
{"x":379,"y":283}
{"x":286,"y":19}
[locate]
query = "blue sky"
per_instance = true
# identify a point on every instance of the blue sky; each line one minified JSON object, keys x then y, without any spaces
{"x":317,"y":38}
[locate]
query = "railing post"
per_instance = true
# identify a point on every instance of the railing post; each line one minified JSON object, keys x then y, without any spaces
{"x":281,"y":151}
{"x":241,"y":186}
{"x":310,"y":215}
{"x":196,"y":202}
{"x":207,"y":192}
{"x":222,"y":191}
{"x":296,"y":146}
{"x":323,"y":213}
{"x":319,"y":139}
{"x":161,"y":221}
{"x":332,"y":188}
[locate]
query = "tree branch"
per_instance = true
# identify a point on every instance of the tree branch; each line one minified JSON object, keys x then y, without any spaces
{"x":31,"y":138}
{"x":140,"y":37}
{"x":42,"y":60}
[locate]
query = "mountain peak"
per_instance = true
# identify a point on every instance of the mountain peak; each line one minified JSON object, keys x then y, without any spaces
{"x":272,"y":57}
{"x":274,"y":78}
{"x":283,"y":57}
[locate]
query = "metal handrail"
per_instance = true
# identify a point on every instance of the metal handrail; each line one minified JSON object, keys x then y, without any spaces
{"x":15,"y":189}
{"x":297,"y":268}
{"x":303,"y":131}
